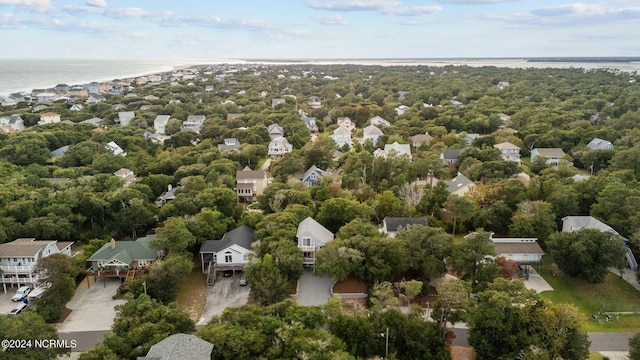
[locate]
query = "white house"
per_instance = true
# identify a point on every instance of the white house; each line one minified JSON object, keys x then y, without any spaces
{"x":115,"y":148}
{"x":372,"y":133}
{"x":127,"y":175}
{"x":553,"y":156}
{"x":311,"y":237}
{"x":524,"y":251}
{"x":14,"y":121}
{"x":342,"y":136}
{"x":509,"y":151}
{"x":279,"y":147}
{"x":229,"y":253}
{"x":275,"y":131}
{"x":379,"y":121}
{"x":49,"y":118}
{"x":345,"y":122}
{"x":160,"y":122}
{"x":125,"y":117}
{"x":394,"y":149}
{"x":599,"y":144}
{"x":193,"y":123}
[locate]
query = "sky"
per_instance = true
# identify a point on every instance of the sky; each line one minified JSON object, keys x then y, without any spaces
{"x":316,"y":29}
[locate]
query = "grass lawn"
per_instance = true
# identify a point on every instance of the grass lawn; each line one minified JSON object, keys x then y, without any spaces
{"x":595,"y":356}
{"x":191,"y":295}
{"x":612,"y":295}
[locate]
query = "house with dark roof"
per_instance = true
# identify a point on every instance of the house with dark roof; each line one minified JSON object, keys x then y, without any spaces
{"x":312,"y":176}
{"x":18,"y":259}
{"x":93,"y":121}
{"x":524,"y":251}
{"x":460,"y":185}
{"x":124,"y":259}
{"x":59,"y":152}
{"x":229,"y":253}
{"x":450,"y":156}
{"x":391,"y":225}
{"x":599,"y":144}
{"x":311,"y":236}
{"x":310,"y":122}
{"x":180,"y":347}
{"x":166,"y":196}
{"x":15,"y":121}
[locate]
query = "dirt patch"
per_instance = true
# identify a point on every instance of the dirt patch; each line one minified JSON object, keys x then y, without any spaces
{"x":64,"y":316}
{"x":293,"y":290}
{"x":354,"y":306}
{"x":350,"y":285}
{"x":192,"y":294}
{"x":462,"y":353}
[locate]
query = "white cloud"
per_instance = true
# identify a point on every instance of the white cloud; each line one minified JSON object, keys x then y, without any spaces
{"x":354,"y":5}
{"x":97,"y":3}
{"x":577,"y":14}
{"x":473,"y":2}
{"x":331,"y":20}
{"x":413,"y":11}
{"x":35,"y":5}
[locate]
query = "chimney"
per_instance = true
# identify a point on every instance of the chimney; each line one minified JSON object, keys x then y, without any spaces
{"x":113,"y":243}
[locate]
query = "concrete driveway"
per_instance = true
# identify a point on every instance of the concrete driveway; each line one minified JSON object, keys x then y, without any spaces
{"x":92,"y":308}
{"x":537,"y":283}
{"x":6,"y":304}
{"x":223,"y":294}
{"x":313,"y":290}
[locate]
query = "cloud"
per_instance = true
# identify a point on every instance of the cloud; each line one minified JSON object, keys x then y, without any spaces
{"x":105,"y":11}
{"x":97,"y":3}
{"x":473,"y":2}
{"x":40,"y":6}
{"x":331,"y":20}
{"x":354,"y":5}
{"x":413,"y":11}
{"x":576,"y":14}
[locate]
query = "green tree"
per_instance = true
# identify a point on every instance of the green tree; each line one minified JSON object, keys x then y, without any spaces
{"x":452,"y":305}
{"x":470,"y":259}
{"x":586,"y":254}
{"x":60,"y":271}
{"x":336,"y":212}
{"x":460,"y":208}
{"x":268,"y":284}
{"x":29,"y":326}
{"x":174,"y":235}
{"x":166,"y":276}
{"x":428,"y":248}
{"x":533,"y":219}
{"x":634,"y":347}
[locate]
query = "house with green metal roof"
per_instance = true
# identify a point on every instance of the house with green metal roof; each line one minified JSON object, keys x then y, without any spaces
{"x":124,"y":258}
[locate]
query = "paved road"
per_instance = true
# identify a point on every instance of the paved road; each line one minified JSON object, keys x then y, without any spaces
{"x":313,"y":290}
{"x":85,"y":340}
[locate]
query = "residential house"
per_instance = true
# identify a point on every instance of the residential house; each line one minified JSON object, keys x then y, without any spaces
{"x":250,"y":183}
{"x":525,"y":252}
{"x":402,"y":95}
{"x":94,"y":99}
{"x":78,"y":92}
{"x":310,"y":122}
{"x":115,"y":148}
{"x":166,"y":196}
{"x":401,"y":109}
{"x":275,"y":131}
{"x":312,"y":176}
{"x":469,"y":138}
{"x":279,"y":146}
{"x":17,"y":97}
{"x":14,"y":121}
{"x":342,"y":136}
{"x":193,"y":123}
{"x":391,"y":225}
{"x":311,"y":236}
{"x":455,"y":102}
{"x":127,"y":175}
{"x":506,"y":119}
{"x":76,"y":107}
{"x":230,"y":144}
{"x":394,"y":149}
{"x":229,"y":253}
{"x":379,"y":121}
{"x":502,"y":85}
{"x":179,"y":347}
{"x":160,"y":123}
{"x":579,"y":223}
{"x":125,"y":117}
{"x":553,"y":156}
{"x":420,"y":139}
{"x":124,"y":259}
{"x":45,"y":97}
{"x":60,"y":152}
{"x":18,"y":259}
{"x":208,"y":88}
{"x":580,"y":177}
{"x":49,"y":118}
{"x":93,"y":121}
{"x":509,"y":151}
{"x":599,"y":144}
{"x":93,"y":88}
{"x":7,"y":101}
{"x":233,"y":116}
{"x":276,"y":102}
{"x":460,"y":185}
{"x":372,"y":133}
{"x":450,"y":156}
{"x":315,"y":104}
{"x":345,"y":122}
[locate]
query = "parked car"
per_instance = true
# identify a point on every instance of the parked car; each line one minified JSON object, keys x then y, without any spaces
{"x":242,"y":281}
{"x":17,"y":310}
{"x":21,"y":293}
{"x":227,"y":273}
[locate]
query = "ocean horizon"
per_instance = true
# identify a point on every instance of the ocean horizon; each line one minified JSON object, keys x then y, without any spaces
{"x":24,"y":75}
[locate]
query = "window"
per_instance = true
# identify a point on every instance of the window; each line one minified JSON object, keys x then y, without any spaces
{"x":245,"y":257}
{"x":228,"y":258}
{"x":306,"y":241}
{"x":142,"y":262}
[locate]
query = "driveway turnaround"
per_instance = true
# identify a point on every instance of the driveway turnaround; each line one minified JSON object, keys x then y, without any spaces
{"x":313,"y":290}
{"x":223,"y":294}
{"x":92,"y":308}
{"x":537,"y":283}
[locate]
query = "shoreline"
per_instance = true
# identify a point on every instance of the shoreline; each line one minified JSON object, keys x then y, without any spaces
{"x":171,"y":65}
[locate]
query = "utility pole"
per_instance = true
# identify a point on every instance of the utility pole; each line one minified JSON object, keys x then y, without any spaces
{"x":385,"y":335}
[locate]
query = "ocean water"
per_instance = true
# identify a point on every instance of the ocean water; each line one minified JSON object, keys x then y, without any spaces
{"x":26,"y":75}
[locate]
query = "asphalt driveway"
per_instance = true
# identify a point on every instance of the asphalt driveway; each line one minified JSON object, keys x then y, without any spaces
{"x":223,"y":294}
{"x":312,"y":289}
{"x":92,"y":308}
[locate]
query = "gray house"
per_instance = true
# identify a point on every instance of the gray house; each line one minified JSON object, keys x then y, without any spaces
{"x":180,"y":347}
{"x":391,"y":225}
{"x":311,"y":237}
{"x":229,"y":253}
